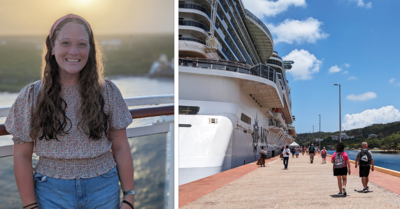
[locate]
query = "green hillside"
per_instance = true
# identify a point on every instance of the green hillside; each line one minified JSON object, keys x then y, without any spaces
{"x":388,"y":137}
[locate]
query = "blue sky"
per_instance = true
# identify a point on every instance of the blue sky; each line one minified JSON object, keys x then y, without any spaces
{"x":351,"y":42}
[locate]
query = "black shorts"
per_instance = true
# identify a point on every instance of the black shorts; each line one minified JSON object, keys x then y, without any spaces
{"x":364,"y":171}
{"x":340,"y":171}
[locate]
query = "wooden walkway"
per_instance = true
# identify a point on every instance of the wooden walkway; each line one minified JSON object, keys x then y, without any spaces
{"x":303,"y":185}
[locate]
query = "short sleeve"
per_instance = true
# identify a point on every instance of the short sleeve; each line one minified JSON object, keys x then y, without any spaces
{"x":334,"y":155}
{"x":18,"y":120}
{"x":370,"y":153}
{"x":120,"y":117}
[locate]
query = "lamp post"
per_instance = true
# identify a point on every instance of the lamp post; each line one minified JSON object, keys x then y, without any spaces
{"x":312,"y":134}
{"x":340,"y":115}
{"x":319,"y":132}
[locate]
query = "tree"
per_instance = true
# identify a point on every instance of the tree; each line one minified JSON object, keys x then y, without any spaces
{"x":381,"y":136}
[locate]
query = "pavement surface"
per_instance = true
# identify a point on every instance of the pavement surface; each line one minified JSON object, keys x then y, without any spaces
{"x":303,"y":185}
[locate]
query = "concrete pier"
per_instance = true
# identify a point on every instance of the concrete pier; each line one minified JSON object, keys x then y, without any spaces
{"x":303,"y":185}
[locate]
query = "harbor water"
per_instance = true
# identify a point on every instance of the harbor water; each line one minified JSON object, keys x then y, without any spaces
{"x":384,"y":160}
{"x":149,"y":152}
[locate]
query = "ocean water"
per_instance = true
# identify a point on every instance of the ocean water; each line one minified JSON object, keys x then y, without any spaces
{"x":389,"y":161}
{"x":149,"y":152}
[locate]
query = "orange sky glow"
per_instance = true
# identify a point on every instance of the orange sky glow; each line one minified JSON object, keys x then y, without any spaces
{"x":106,"y":17}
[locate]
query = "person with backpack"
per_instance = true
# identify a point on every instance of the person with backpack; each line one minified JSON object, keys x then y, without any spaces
{"x":364,"y":158}
{"x":286,"y":154}
{"x":341,"y":166}
{"x":323,"y":155}
{"x":312,"y":153}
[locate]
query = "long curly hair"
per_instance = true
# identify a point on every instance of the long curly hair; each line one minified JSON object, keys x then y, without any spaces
{"x":49,"y":119}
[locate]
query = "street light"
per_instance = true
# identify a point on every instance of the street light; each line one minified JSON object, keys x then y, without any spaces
{"x":319,"y":132}
{"x":340,"y":116}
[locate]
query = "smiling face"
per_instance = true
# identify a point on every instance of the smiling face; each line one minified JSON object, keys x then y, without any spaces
{"x":71,"y":49}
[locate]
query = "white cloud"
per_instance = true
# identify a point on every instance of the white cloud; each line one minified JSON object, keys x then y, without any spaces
{"x":271,"y":8}
{"x":361,"y":97}
{"x":346,"y":65}
{"x":346,"y":72}
{"x":334,"y":69}
{"x":398,"y":84}
{"x":290,"y":31}
{"x":371,"y":116}
{"x":305,"y":64}
{"x":352,"y":78}
{"x":392,"y":80}
{"x":360,"y":3}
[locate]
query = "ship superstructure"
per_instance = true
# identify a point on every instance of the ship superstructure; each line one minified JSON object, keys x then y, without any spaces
{"x":234,"y":96}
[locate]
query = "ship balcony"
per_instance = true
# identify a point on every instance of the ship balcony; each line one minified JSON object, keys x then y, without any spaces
{"x":259,"y":81}
{"x":186,"y":24}
{"x":260,"y":35}
{"x":189,"y":8}
{"x":292,"y":130}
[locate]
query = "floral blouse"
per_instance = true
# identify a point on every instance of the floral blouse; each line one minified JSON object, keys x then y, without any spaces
{"x":74,"y":156}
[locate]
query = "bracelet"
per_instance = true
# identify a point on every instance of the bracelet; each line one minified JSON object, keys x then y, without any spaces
{"x":128,"y":203}
{"x":129,"y":192}
{"x":30,"y":205}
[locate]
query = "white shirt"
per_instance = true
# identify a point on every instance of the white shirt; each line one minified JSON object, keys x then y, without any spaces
{"x":286,"y":152}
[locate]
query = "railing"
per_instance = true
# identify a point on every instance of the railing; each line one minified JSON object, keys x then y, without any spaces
{"x":196,"y":7}
{"x":192,"y":39}
{"x":275,"y":62}
{"x":255,"y":18}
{"x":136,"y":114}
{"x":194,"y":23}
{"x":259,"y":70}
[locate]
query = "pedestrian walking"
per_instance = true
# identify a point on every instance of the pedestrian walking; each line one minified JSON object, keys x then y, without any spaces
{"x":281,"y":154}
{"x":286,"y":154}
{"x":297,"y":151}
{"x":263,"y":156}
{"x":364,"y":158}
{"x":323,"y":155}
{"x":303,"y":150}
{"x":293,"y":151}
{"x":341,"y":166}
{"x":312,"y":153}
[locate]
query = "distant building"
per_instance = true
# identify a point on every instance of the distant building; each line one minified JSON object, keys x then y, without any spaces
{"x":344,"y":136}
{"x":318,"y":140}
{"x":373,"y":135}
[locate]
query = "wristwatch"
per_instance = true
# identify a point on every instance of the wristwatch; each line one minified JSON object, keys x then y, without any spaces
{"x":129,"y":192}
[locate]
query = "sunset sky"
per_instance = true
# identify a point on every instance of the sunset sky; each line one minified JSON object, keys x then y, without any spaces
{"x":35,"y":17}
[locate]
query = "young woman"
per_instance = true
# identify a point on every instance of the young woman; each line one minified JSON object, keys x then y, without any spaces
{"x":76,"y":122}
{"x":341,"y":166}
{"x":263,"y":156}
{"x":323,"y":155}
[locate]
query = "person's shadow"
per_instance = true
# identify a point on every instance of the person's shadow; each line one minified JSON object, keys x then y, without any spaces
{"x":338,"y":196}
{"x":361,"y":191}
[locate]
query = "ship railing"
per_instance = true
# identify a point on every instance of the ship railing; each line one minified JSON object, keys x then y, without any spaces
{"x":196,"y":7}
{"x":259,"y":70}
{"x":192,"y":39}
{"x":193,"y":23}
{"x":145,"y":107}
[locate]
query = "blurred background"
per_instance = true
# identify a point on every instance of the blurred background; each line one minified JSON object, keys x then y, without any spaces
{"x":138,"y":47}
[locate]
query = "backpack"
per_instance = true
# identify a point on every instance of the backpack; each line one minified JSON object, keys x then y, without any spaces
{"x":324,"y":152}
{"x":339,"y":161}
{"x":312,"y":149}
{"x":365,"y":159}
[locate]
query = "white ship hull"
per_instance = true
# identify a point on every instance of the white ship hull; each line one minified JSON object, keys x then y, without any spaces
{"x":217,"y":139}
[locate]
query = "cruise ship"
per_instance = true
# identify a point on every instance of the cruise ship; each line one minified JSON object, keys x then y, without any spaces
{"x":234,"y":96}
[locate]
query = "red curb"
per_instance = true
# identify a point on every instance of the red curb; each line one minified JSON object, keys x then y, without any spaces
{"x":194,"y":190}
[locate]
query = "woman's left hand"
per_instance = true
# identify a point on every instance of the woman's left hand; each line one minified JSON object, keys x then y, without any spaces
{"x":349,"y":172}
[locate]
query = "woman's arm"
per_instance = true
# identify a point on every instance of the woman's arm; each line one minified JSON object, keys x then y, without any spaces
{"x":23,"y":172}
{"x":348,"y":167}
{"x":122,"y":155}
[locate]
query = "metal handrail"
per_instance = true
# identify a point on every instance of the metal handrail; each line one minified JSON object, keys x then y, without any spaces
{"x":196,"y":7}
{"x":194,"y":23}
{"x":192,"y":39}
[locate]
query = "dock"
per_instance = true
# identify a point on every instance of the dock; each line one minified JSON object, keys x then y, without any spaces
{"x":303,"y":185}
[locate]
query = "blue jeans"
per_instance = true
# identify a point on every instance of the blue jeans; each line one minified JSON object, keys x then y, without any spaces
{"x":92,"y":193}
{"x":285,"y":161}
